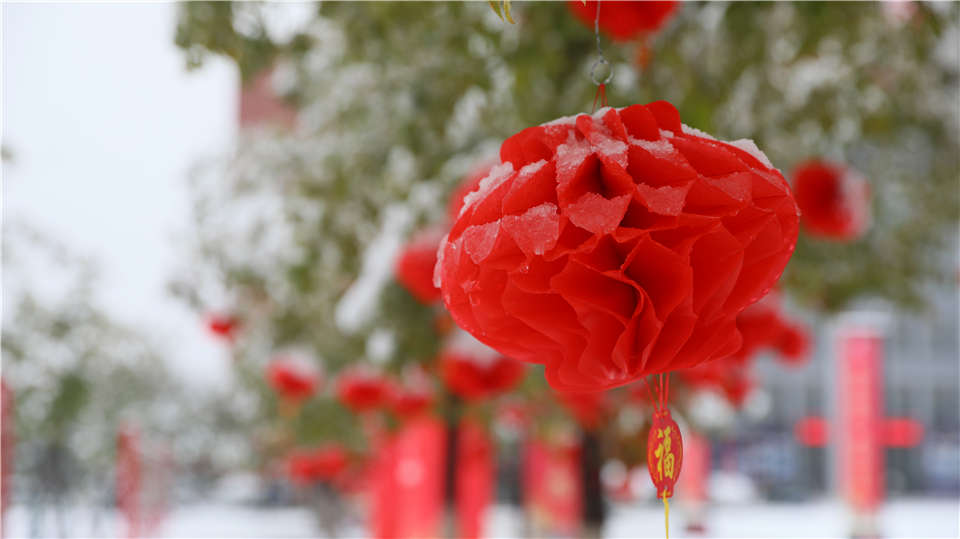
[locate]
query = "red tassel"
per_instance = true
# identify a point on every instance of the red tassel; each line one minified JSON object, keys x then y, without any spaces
{"x":600,"y":96}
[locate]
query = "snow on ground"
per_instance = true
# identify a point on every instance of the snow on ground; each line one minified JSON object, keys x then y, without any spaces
{"x":914,"y":517}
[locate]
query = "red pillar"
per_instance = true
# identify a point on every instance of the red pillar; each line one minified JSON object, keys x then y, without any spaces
{"x":860,"y":462}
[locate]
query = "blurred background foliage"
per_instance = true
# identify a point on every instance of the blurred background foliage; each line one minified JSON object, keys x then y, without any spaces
{"x":397,"y":102}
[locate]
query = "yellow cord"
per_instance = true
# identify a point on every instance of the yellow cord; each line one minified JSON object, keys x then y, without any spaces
{"x":666,"y":515}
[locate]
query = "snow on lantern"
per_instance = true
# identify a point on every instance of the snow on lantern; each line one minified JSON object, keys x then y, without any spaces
{"x":617,"y":245}
{"x":467,"y":186}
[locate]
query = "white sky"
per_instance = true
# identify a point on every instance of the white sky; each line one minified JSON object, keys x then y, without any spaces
{"x":104,"y":121}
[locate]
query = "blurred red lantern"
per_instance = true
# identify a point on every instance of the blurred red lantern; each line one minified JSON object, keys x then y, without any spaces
{"x":413,"y":396}
{"x":812,"y":431}
{"x":414,"y":266}
{"x":763,"y":325}
{"x":473,"y":371}
{"x":618,"y":245}
{"x":902,"y":432}
{"x":222,"y":326}
{"x":326,"y":463}
{"x":292,"y":378}
{"x":408,"y":403}
{"x":624,"y":20}
{"x":727,"y":377}
{"x":362,"y":390}
{"x":793,"y":344}
{"x":474,"y":378}
{"x":834,"y":200}
{"x":514,"y":414}
{"x":760,"y":326}
{"x":588,"y":409}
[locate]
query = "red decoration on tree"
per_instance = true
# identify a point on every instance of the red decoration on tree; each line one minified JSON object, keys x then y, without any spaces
{"x":834,"y":200}
{"x":414,"y":266}
{"x":618,"y":245}
{"x":728,"y":377}
{"x":763,"y":325}
{"x":222,"y":326}
{"x":623,"y":21}
{"x":307,"y":466}
{"x":294,"y":379}
{"x":473,"y":378}
{"x":474,"y":372}
{"x":409,"y":403}
{"x":413,"y":396}
{"x":812,"y":431}
{"x":793,"y":344}
{"x":362,"y":390}
{"x":588,"y":409}
{"x":759,"y":325}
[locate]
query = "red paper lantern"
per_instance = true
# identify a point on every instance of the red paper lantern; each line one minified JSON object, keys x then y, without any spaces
{"x":414,"y":266}
{"x":326,"y":463}
{"x":473,"y":377}
{"x":760,"y":325}
{"x":902,"y":432}
{"x":618,"y":245}
{"x":473,"y":371}
{"x":812,"y":431}
{"x":588,"y":409}
{"x":834,"y":200}
{"x":793,"y":344}
{"x":409,"y":403}
{"x":764,"y":326}
{"x":222,"y":326}
{"x":412,"y":397}
{"x":623,"y":21}
{"x":362,"y":390}
{"x":294,"y":379}
{"x":728,"y":377}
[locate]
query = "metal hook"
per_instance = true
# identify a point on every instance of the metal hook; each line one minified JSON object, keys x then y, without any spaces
{"x":593,"y":71}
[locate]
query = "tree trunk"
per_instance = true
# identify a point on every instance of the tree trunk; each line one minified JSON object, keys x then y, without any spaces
{"x":594,"y":511}
{"x":450,"y":475}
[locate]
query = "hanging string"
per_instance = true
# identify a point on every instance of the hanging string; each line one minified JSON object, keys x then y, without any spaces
{"x":650,"y":393}
{"x":600,"y":62}
{"x":666,"y":516}
{"x":600,"y":96}
{"x":659,"y":397}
